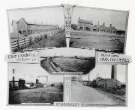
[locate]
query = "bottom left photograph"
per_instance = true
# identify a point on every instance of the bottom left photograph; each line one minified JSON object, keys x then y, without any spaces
{"x":29,"y":83}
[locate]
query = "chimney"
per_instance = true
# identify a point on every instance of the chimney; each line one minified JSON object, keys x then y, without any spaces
{"x":114,"y":72}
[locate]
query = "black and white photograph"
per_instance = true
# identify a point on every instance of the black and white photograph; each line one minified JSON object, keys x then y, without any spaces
{"x":34,"y":28}
{"x":29,"y":83}
{"x":68,"y":55}
{"x":97,"y":28}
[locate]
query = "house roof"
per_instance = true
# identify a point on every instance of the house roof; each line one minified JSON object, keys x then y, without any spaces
{"x":22,"y":19}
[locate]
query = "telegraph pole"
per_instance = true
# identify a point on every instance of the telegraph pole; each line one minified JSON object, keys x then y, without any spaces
{"x":13,"y":79}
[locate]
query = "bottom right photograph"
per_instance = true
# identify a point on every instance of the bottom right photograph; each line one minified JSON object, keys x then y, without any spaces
{"x":105,"y":85}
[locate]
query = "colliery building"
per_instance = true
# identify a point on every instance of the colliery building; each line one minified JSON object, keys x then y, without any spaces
{"x":89,"y":26}
{"x":23,"y":27}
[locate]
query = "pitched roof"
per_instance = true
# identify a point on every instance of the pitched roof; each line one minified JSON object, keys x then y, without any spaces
{"x":22,"y":19}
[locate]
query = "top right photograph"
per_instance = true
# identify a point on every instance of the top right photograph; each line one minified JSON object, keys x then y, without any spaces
{"x":100,"y":29}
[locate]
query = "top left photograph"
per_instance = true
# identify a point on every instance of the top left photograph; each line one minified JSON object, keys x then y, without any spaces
{"x":36,"y":28}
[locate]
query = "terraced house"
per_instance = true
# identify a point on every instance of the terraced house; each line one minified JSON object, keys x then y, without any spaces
{"x":89,"y":26}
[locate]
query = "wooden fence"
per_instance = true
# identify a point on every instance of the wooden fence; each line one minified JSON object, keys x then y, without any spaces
{"x":21,"y":42}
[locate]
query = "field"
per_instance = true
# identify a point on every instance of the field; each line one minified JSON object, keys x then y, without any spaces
{"x":98,"y":40}
{"x":37,"y":95}
{"x":51,"y":41}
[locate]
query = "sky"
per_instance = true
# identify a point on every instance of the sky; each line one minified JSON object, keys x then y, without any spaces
{"x":30,"y":72}
{"x":116,"y":18}
{"x":42,"y":15}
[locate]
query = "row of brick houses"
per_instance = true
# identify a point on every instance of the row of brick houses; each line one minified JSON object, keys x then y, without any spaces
{"x":89,"y":26}
{"x":23,"y":27}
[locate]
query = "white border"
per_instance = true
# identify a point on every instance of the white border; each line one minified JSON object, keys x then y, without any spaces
{"x":108,"y":4}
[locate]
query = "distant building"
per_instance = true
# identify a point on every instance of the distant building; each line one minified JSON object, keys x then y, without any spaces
{"x":13,"y":84}
{"x":85,"y":25}
{"x":108,"y":83}
{"x":89,"y":26}
{"x":17,"y":84}
{"x":21,"y":83}
{"x":37,"y":81}
{"x":23,"y":27}
{"x":14,"y":25}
